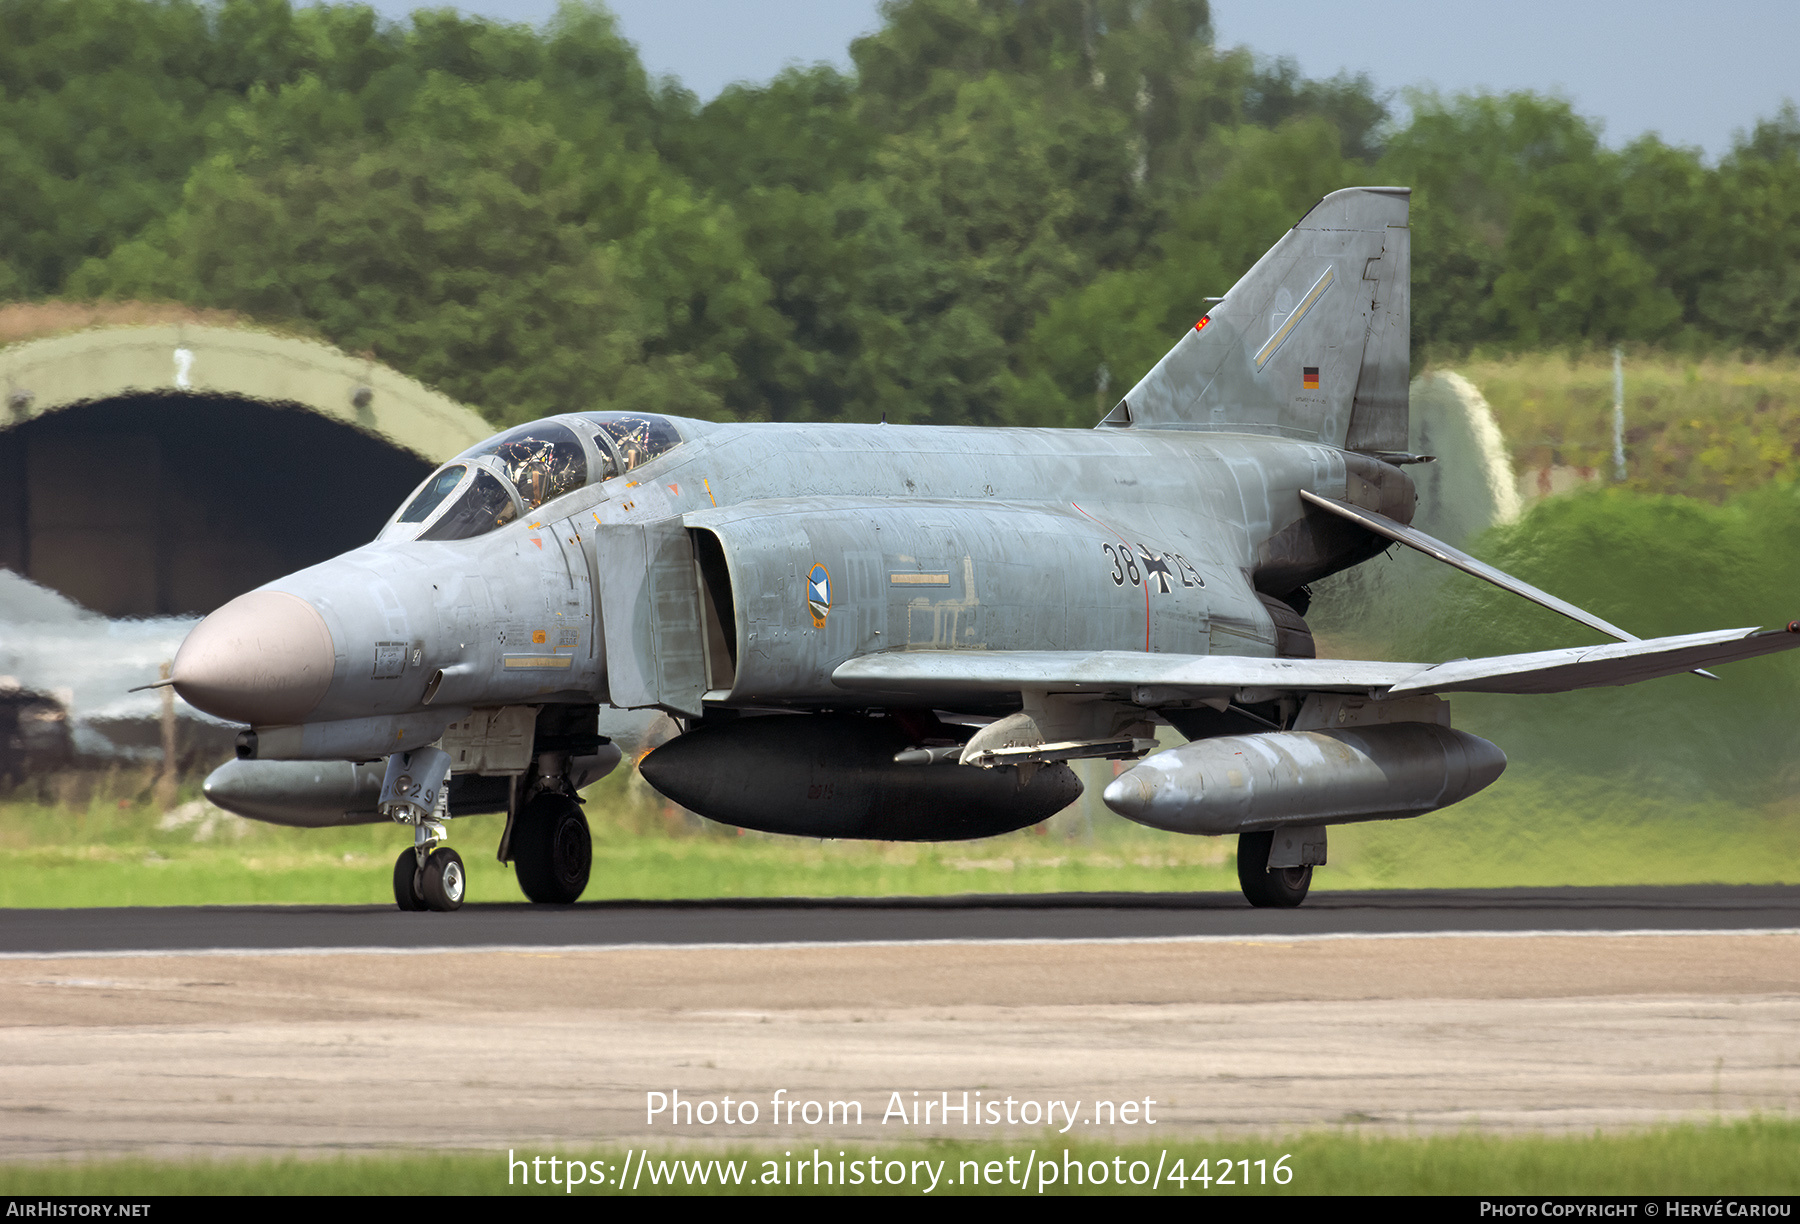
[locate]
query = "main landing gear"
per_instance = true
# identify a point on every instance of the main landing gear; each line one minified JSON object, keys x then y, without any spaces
{"x":551,"y":848}
{"x":1266,"y":886}
{"x":546,"y":838}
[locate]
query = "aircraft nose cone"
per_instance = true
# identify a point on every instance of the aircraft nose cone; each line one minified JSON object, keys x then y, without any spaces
{"x":264,"y":658}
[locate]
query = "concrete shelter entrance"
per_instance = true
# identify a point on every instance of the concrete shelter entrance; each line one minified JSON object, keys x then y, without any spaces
{"x":163,"y":470}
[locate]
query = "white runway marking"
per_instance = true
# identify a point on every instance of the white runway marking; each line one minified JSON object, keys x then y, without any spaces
{"x":550,"y":949}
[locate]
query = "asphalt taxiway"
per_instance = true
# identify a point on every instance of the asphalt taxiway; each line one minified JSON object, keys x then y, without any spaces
{"x":1080,"y":916}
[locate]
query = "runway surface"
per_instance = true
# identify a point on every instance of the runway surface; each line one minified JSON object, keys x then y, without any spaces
{"x":206,"y":1031}
{"x":1083,"y":916}
{"x":204,"y":1055}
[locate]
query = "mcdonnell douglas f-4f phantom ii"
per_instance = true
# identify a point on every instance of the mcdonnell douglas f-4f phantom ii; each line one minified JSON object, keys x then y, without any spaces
{"x":906,"y":632}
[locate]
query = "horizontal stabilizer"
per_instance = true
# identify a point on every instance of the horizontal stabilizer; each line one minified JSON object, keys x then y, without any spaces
{"x":1412,"y":537}
{"x":935,"y":676}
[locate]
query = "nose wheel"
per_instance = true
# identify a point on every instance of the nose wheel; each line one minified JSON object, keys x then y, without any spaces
{"x":408,"y":894}
{"x":442,"y":880}
{"x":437,"y":885}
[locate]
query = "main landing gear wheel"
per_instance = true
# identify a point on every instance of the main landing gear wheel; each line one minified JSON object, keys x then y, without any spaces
{"x":551,"y":849}
{"x":1280,"y":887}
{"x":442,"y":880}
{"x":407,"y":892}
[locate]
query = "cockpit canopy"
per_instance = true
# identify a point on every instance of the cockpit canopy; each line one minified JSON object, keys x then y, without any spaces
{"x":635,"y":439}
{"x":513,"y":473}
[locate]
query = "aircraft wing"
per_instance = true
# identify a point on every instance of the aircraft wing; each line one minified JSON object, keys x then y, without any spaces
{"x":935,"y":675}
{"x":1579,"y":667}
{"x":942,"y":673}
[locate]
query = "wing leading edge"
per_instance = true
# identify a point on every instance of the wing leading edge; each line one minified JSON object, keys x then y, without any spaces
{"x":932,"y":675}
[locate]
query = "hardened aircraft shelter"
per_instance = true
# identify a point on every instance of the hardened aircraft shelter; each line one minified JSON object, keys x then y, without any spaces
{"x":162,"y":470}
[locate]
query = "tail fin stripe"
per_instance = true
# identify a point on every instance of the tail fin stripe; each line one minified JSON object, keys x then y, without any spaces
{"x":1293,"y":320}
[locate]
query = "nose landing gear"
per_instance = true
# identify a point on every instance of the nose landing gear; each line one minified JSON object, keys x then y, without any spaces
{"x":415,"y":791}
{"x":428,"y":879}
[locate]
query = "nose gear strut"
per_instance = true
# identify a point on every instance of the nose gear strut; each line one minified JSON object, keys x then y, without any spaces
{"x":416,"y":792}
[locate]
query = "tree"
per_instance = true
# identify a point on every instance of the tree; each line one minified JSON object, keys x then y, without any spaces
{"x":1125,"y":321}
{"x":459,"y":251}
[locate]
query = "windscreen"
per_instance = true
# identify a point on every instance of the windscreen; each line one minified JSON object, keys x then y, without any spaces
{"x":484,"y":505}
{"x":441,"y":485}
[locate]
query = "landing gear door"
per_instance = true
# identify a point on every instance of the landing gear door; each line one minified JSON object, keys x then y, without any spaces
{"x":650,"y":609}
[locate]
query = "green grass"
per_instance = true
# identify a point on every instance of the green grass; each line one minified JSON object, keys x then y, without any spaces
{"x":1530,"y":829}
{"x":1752,"y":1157}
{"x":1705,"y":428}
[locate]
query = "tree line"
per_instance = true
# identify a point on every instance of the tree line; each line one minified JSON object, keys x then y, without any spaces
{"x":1003,"y":214}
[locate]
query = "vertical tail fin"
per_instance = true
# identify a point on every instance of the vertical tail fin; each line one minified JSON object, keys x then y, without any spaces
{"x":1313,"y":343}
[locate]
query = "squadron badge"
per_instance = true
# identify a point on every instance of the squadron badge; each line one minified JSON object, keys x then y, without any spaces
{"x":818,"y":595}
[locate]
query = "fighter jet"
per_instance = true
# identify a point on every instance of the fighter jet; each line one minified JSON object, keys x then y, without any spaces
{"x":906,"y":632}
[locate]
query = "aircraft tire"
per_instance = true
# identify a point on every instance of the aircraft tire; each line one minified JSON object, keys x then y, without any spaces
{"x":406,"y":882}
{"x":551,"y":850}
{"x":1281,"y":888}
{"x":443,"y":880}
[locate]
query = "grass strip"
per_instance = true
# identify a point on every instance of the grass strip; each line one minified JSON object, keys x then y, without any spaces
{"x":1754,"y":1156}
{"x":1534,"y":830}
{"x":1703,"y":427}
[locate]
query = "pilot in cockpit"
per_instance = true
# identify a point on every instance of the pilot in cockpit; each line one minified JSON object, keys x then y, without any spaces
{"x":539,"y":469}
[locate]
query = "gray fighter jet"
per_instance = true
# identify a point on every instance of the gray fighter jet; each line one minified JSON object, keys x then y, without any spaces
{"x":906,"y":632}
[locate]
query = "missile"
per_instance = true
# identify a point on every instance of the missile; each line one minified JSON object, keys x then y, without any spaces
{"x":1243,"y":783}
{"x":825,"y":775}
{"x":324,"y":794}
{"x":305,"y":794}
